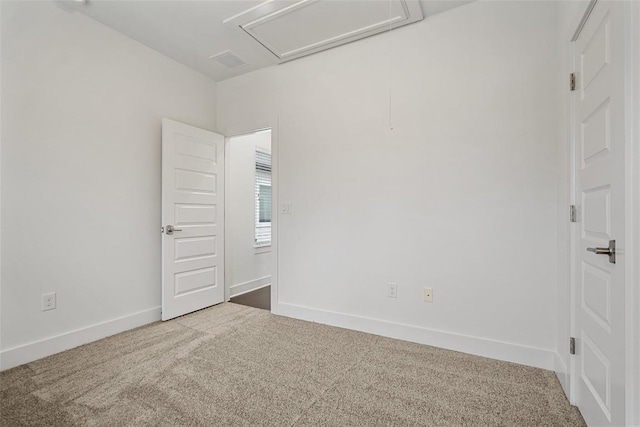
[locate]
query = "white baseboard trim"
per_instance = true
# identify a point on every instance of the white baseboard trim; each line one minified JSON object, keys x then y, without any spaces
{"x":516,"y":353}
{"x":26,"y":353}
{"x":562,"y":372}
{"x":252,"y":285}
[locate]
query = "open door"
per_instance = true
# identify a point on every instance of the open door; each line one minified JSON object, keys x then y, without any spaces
{"x":192,"y":218}
{"x":599,"y":181}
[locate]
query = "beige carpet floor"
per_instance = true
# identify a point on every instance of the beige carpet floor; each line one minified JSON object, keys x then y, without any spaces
{"x":233,"y":365}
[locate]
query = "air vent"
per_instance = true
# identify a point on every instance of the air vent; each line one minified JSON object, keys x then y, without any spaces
{"x":228,"y":59}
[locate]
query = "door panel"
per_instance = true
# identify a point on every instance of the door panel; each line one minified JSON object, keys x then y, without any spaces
{"x":599,"y":183}
{"x":192,"y":200}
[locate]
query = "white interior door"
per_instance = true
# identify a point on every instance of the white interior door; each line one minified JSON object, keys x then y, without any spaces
{"x":192,"y":218}
{"x":599,"y":307}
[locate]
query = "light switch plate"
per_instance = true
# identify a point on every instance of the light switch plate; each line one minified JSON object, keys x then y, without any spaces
{"x":285,"y":208}
{"x":428,"y":295}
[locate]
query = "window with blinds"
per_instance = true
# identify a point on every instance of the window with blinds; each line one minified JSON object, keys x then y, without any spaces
{"x":263,"y":199}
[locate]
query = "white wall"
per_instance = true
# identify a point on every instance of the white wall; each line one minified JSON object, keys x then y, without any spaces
{"x":248,"y":267}
{"x":461,"y":196}
{"x":81,"y":116}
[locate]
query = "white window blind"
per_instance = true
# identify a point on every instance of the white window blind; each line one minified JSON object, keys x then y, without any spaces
{"x":263,"y":199}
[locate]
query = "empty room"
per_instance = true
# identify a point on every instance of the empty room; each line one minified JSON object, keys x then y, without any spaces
{"x":320,"y":213}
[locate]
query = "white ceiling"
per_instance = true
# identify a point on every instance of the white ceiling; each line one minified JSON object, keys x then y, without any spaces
{"x":192,"y":31}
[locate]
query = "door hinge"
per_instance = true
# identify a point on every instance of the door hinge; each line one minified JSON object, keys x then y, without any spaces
{"x":572,"y":345}
{"x":572,"y":81}
{"x":573,"y":213}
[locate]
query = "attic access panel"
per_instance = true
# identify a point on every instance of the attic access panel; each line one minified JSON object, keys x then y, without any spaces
{"x":292,"y":29}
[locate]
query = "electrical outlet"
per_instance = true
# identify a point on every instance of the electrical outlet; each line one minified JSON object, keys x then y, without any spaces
{"x":392,"y":290}
{"x":49,"y":301}
{"x":428,"y":295}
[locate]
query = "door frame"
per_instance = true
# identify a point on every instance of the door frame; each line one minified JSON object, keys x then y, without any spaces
{"x":274,"y":211}
{"x":632,"y":215}
{"x":631,"y":53}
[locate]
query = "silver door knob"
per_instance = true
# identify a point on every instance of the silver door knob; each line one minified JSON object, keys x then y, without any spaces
{"x":170,"y":229}
{"x":610,"y":251}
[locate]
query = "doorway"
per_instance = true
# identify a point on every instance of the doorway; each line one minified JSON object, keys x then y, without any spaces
{"x":248,"y":219}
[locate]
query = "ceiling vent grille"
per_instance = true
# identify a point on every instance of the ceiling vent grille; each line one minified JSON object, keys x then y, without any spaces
{"x":228,"y":59}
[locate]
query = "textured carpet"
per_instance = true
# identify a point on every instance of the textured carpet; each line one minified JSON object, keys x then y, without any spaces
{"x":233,"y":365}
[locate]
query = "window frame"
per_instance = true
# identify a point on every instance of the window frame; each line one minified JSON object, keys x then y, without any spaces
{"x":259,"y":245}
